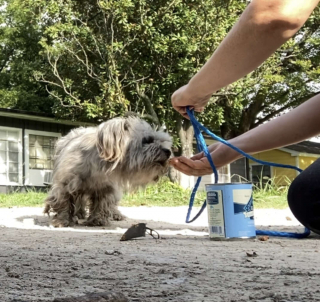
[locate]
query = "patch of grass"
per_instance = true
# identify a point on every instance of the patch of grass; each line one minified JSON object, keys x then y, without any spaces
{"x":29,"y":199}
{"x":169,"y":194}
{"x":270,"y":195}
{"x":164,"y":193}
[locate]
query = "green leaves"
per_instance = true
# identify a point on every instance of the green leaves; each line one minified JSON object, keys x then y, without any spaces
{"x":94,"y":60}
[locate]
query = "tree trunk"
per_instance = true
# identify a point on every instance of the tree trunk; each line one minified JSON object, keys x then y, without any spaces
{"x":250,"y":114}
{"x":185,"y":131}
{"x":227,"y":127}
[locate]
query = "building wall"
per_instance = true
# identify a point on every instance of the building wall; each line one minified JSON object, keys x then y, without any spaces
{"x":281,"y":175}
{"x":305,"y":161}
{"x":24,"y":126}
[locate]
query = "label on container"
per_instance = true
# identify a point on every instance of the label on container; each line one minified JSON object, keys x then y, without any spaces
{"x":215,"y":214}
{"x":243,"y":202}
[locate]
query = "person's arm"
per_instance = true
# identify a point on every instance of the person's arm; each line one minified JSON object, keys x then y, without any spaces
{"x":263,"y":27}
{"x":300,"y":124}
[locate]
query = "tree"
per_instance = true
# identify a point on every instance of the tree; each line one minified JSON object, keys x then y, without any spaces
{"x":107,"y":57}
{"x":19,"y":57}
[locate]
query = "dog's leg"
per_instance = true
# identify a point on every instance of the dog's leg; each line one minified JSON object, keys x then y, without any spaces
{"x":80,"y":209}
{"x":117,"y":215}
{"x":98,"y":212}
{"x":62,"y":204}
{"x":112,"y":200}
{"x":103,"y":207}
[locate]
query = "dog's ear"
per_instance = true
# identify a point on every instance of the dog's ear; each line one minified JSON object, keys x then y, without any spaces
{"x":112,"y":138}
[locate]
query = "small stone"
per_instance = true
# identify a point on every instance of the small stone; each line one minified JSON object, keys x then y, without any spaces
{"x":113,"y":253}
{"x":253,"y":254}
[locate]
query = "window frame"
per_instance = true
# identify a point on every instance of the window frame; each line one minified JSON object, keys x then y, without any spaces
{"x":20,"y":163}
{"x":35,"y":157}
{"x":26,"y":151}
{"x":256,"y":164}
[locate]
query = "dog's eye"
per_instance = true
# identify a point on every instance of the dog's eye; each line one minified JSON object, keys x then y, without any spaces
{"x":147,"y":140}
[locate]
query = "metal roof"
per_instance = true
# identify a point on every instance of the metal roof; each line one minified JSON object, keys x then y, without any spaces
{"x":41,"y":117}
{"x":305,"y":147}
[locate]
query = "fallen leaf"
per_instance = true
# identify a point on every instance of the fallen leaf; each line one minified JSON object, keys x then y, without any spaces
{"x":263,"y":238}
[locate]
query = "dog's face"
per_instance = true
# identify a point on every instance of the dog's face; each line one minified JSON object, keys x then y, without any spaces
{"x":135,"y":148}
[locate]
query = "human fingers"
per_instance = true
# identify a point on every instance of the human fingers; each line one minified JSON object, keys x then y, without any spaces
{"x":200,"y":155}
{"x":199,"y":109}
{"x":191,"y":167}
{"x":197,"y":156}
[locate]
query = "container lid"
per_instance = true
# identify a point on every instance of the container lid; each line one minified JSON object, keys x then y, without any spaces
{"x":230,"y":184}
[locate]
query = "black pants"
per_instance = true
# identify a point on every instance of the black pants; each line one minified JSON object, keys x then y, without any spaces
{"x":304,"y":197}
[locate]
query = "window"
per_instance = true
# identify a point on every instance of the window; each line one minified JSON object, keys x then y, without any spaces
{"x":260,"y":174}
{"x":41,"y":152}
{"x":9,"y":156}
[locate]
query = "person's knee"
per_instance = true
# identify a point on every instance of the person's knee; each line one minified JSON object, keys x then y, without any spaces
{"x":295,"y":192}
{"x":304,"y":200}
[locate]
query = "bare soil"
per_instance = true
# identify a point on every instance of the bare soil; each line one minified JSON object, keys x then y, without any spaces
{"x":39,"y":263}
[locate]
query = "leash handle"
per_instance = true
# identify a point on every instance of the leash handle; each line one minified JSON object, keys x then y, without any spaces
{"x":202,"y":146}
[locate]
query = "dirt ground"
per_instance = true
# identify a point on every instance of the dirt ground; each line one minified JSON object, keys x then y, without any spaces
{"x":39,"y":263}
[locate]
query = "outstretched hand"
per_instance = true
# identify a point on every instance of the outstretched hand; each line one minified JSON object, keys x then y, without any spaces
{"x":198,"y":165}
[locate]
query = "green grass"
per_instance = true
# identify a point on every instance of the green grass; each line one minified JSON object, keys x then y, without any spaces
{"x":270,"y":195}
{"x":29,"y":199}
{"x":164,"y":193}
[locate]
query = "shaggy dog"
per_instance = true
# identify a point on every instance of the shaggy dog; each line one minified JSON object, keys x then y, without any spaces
{"x":94,"y":166}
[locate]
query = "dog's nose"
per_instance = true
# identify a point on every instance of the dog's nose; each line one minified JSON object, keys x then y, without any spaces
{"x":167,"y":152}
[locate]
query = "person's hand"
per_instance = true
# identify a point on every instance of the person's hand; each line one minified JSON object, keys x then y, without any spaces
{"x":198,"y":165}
{"x":184,"y":97}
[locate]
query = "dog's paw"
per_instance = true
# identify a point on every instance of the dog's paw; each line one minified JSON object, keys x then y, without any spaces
{"x":118,"y":216}
{"x":96,"y":221}
{"x":62,"y":223}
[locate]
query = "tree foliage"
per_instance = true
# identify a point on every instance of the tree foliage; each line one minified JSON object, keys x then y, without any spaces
{"x":108,"y":57}
{"x":19,"y":58}
{"x":101,"y":58}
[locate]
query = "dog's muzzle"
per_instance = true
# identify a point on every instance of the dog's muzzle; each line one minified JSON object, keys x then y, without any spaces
{"x":167,"y":152}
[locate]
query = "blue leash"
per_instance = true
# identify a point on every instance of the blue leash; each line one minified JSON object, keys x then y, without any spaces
{"x":202,"y":146}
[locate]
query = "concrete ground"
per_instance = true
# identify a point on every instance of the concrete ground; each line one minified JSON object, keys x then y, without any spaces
{"x":40,"y":263}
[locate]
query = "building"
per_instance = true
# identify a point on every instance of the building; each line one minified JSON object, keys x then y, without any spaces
{"x":300,"y":155}
{"x":27,"y":144}
{"x":26,"y":147}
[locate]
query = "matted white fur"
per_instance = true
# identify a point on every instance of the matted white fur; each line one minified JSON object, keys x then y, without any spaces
{"x":94,"y":166}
